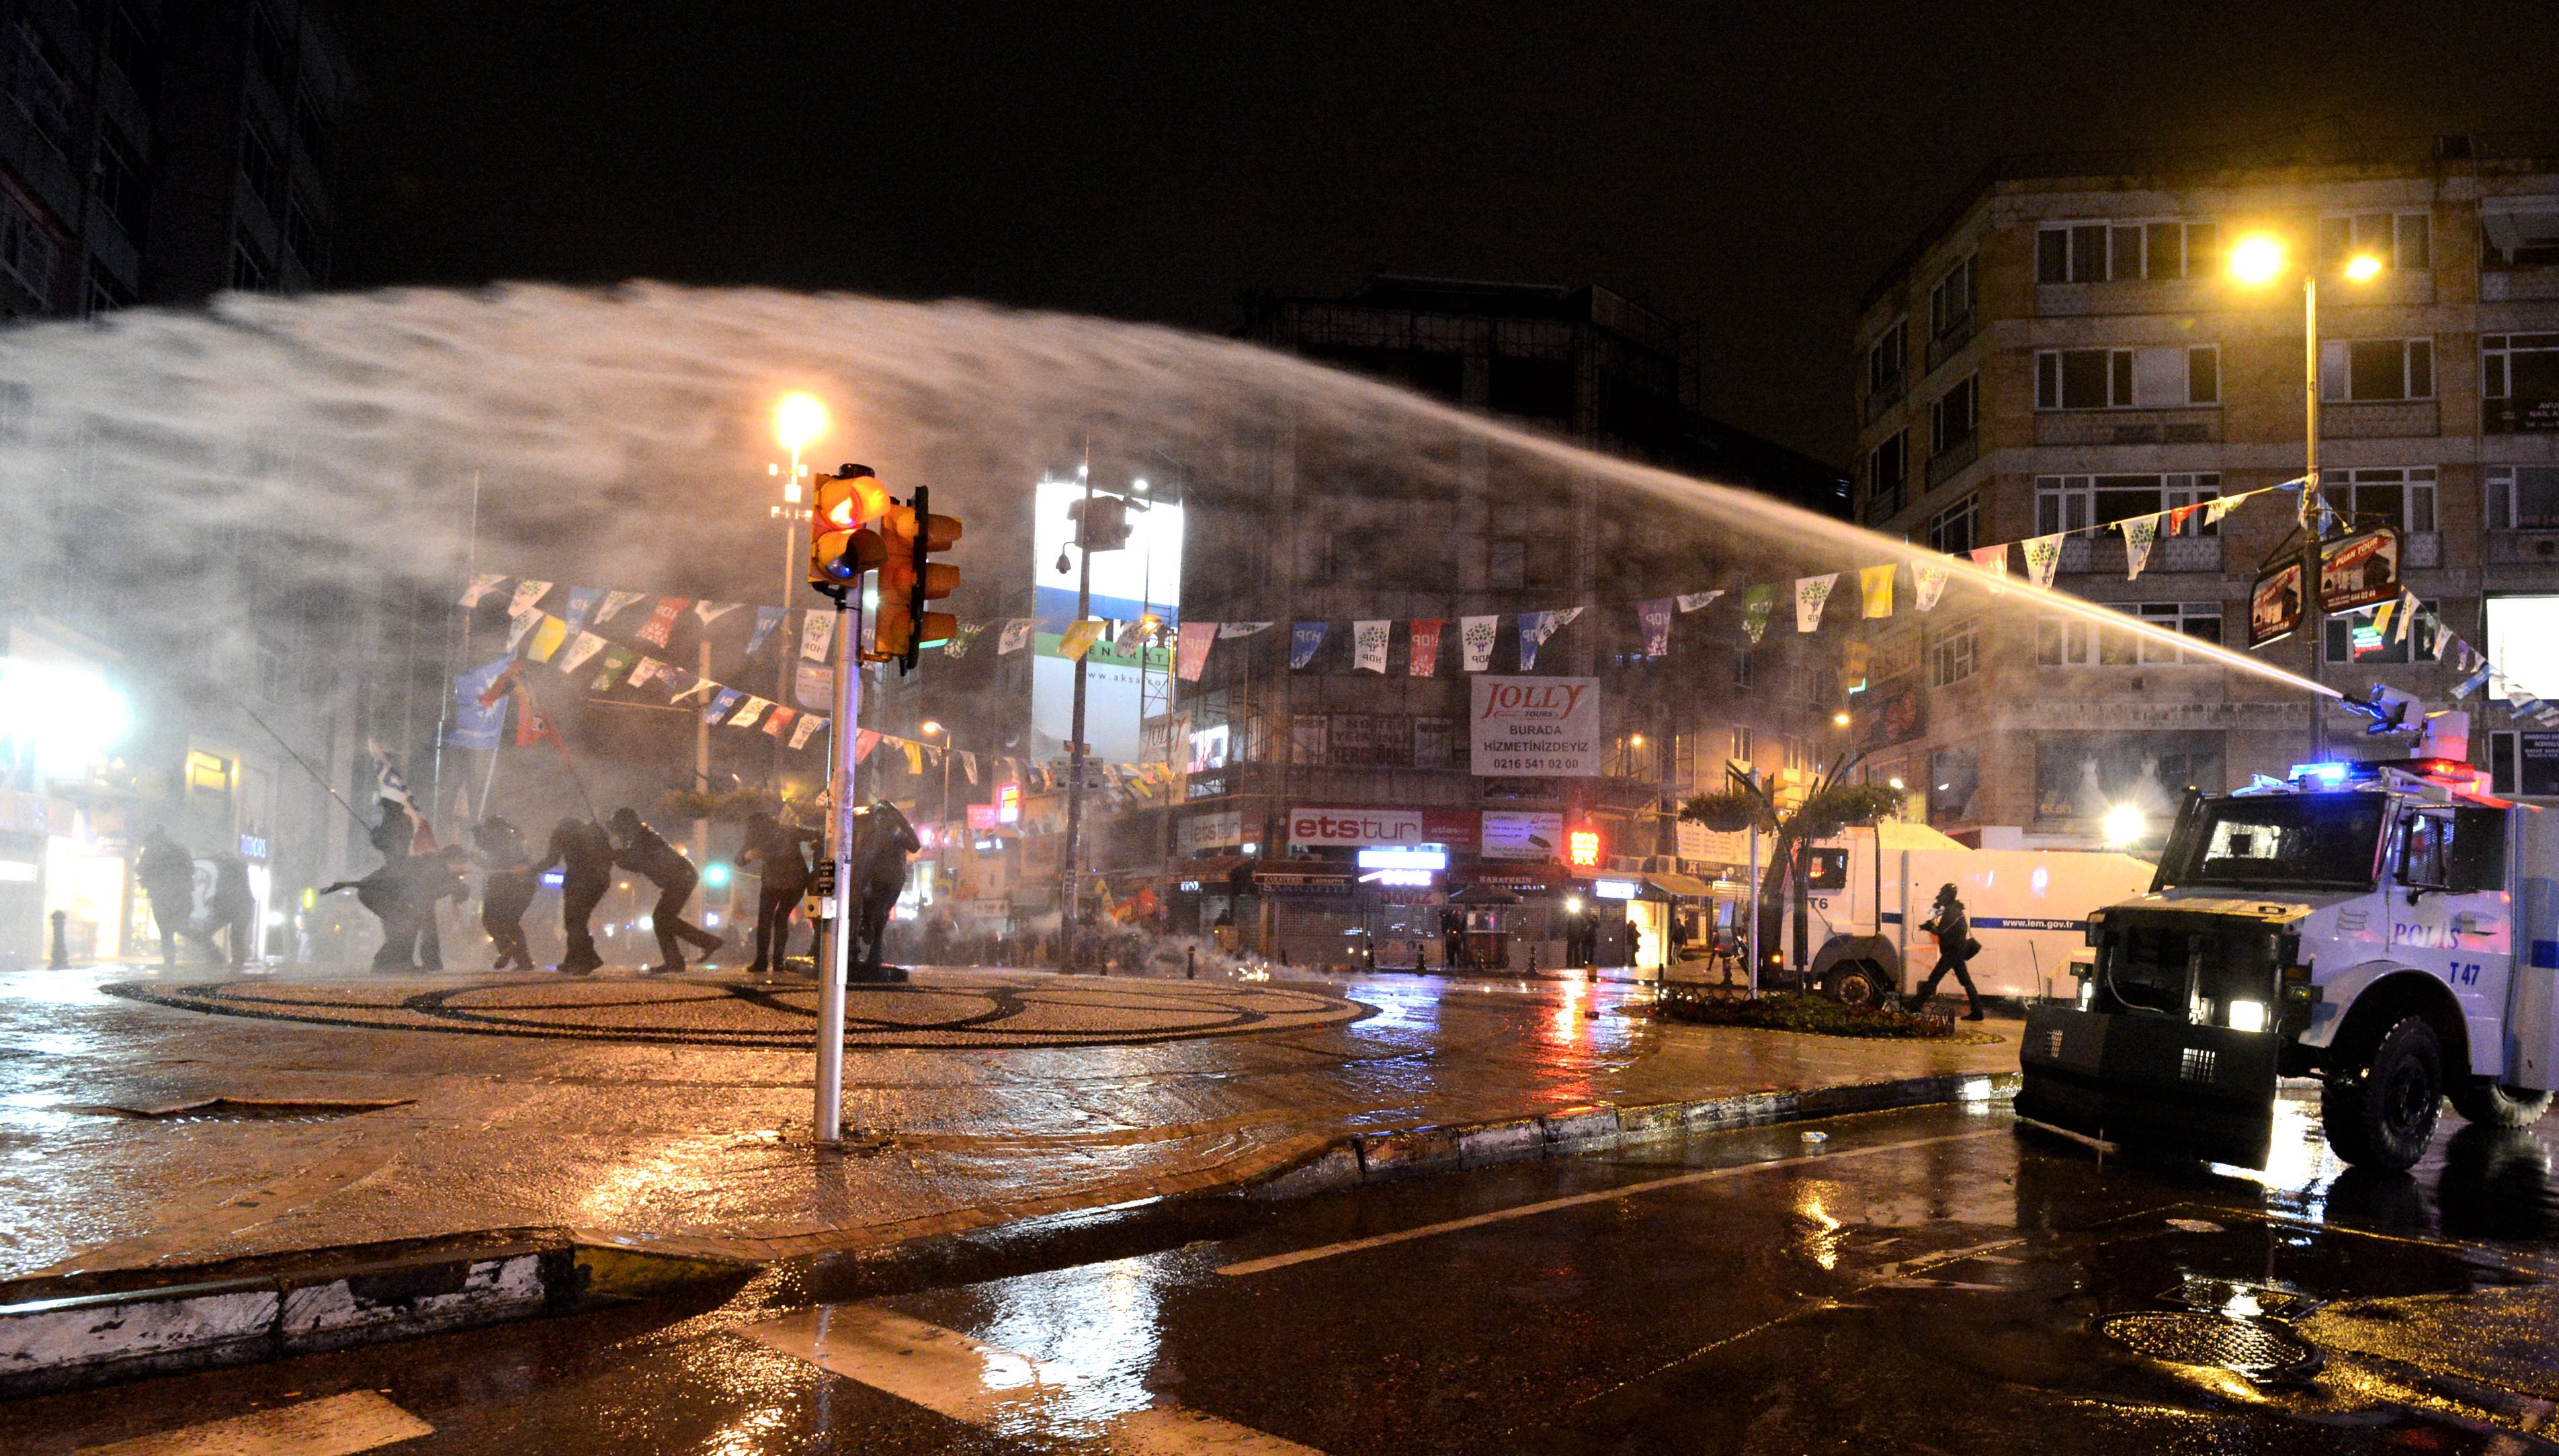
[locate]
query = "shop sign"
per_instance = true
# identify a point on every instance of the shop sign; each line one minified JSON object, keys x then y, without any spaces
{"x":2275,"y":604}
{"x":1209,"y":748}
{"x":982,"y":817}
{"x":1511,"y":835}
{"x":1614,"y":888}
{"x":1535,"y":727}
{"x":1008,"y":804}
{"x":1204,"y":831}
{"x":252,"y":846}
{"x":1352,"y":828}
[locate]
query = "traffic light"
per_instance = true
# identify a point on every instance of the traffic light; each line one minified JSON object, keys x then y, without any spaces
{"x":933,"y":579}
{"x":841,"y":543}
{"x":1100,"y":524}
{"x":909,"y":578}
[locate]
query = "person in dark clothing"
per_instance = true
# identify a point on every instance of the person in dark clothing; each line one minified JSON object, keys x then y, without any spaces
{"x":399,"y":894}
{"x":235,"y":909}
{"x":167,"y":873}
{"x":643,"y":851}
{"x":505,"y":891}
{"x":780,"y":855}
{"x":1954,"y":932}
{"x":585,"y":853}
{"x":429,"y":878}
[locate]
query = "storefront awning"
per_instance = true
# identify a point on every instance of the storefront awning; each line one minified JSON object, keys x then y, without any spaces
{"x":1298,"y":879}
{"x":1680,"y":887}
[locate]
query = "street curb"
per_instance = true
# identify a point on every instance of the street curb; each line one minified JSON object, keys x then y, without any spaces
{"x":1410,"y":1152}
{"x":74,"y":1330}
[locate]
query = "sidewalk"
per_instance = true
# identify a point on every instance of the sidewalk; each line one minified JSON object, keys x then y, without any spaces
{"x":674,"y":1115}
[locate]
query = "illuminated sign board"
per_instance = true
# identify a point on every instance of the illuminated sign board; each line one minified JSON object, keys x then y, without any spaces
{"x":1421,"y":857}
{"x":1581,"y":849}
{"x":1008,"y":804}
{"x":1614,"y":888}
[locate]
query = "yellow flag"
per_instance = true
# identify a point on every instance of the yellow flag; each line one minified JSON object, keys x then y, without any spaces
{"x":547,"y":639}
{"x":1876,"y":582}
{"x":1078,"y":637}
{"x":914,"y":756}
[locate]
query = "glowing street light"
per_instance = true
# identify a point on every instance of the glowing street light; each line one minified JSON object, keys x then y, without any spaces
{"x":2122,"y":824}
{"x":2258,"y":259}
{"x":799,"y":422}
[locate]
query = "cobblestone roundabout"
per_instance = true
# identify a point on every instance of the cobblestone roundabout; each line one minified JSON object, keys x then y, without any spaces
{"x":955,"y":1010}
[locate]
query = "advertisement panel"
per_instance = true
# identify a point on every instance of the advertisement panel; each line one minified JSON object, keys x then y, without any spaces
{"x":2523,"y":643}
{"x":1203,"y":833}
{"x":1510,"y":834}
{"x":1536,"y":727}
{"x":2360,"y":570}
{"x":1144,"y":576}
{"x":2275,"y":604}
{"x":1352,"y":828}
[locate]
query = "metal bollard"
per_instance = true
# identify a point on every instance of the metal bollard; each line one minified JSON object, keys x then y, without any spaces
{"x":1190,"y":963}
{"x":61,"y":941}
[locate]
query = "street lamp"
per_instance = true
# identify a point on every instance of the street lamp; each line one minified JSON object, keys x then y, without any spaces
{"x":932,"y":728}
{"x":2258,"y":259}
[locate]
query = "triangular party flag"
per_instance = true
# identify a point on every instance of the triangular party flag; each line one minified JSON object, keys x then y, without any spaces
{"x":617,"y":660}
{"x":2177,"y":518}
{"x":1875,"y":588}
{"x":2220,"y":506}
{"x":645,"y":669}
{"x":1928,"y":583}
{"x":810,"y":724}
{"x":1654,"y":619}
{"x":2523,"y":701}
{"x":779,"y":719}
{"x":481,"y":586}
{"x":712,"y":612}
{"x":766,"y":619}
{"x":1240,"y":628}
{"x":662,"y":622}
{"x":527,"y":594}
{"x":1305,"y":639}
{"x":613,"y":604}
{"x":1811,"y":592}
{"x":1758,"y":603}
{"x":1422,"y":652}
{"x":2442,"y":636}
{"x":581,"y":601}
{"x":546,"y":638}
{"x":2044,"y":557}
{"x":817,"y":633}
{"x":2383,"y":617}
{"x":518,"y":629}
{"x":683,"y":684}
{"x":915,"y":754}
{"x":1475,"y":636}
{"x":813,"y":685}
{"x":962,"y":639}
{"x":1993,"y":559}
{"x":722,"y":705}
{"x":2139,"y":532}
{"x":1191,"y":643}
{"x":865,"y":740}
{"x":754,"y":709}
{"x":1079,"y":637}
{"x":1016,"y":636}
{"x":1696,"y":601}
{"x":2408,"y":607}
{"x":1534,"y":628}
{"x":1368,"y":645}
{"x":969,"y":765}
{"x":586,"y":646}
{"x":2473,"y":683}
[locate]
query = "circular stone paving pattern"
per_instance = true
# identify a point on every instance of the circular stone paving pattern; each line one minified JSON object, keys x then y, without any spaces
{"x":955,"y":1010}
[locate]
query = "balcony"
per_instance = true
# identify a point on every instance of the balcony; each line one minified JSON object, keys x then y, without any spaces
{"x":2523,"y":283}
{"x":2378,"y":421}
{"x":2104,"y":554}
{"x":2523,"y":548}
{"x":1949,"y":463}
{"x":1951,"y":342}
{"x":1885,"y":397}
{"x":2200,"y":426}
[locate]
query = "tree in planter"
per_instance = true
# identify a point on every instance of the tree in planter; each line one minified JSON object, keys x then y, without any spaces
{"x":1831,"y":807}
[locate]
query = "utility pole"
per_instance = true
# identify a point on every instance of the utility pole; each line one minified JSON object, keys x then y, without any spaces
{"x":702,"y":763}
{"x":839,"y":939}
{"x":1068,"y":932}
{"x":2314,"y":626}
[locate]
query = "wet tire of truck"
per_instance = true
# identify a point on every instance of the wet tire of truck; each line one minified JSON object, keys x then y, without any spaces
{"x":2383,"y":1113}
{"x":1858,"y":983}
{"x":2490,"y":1106}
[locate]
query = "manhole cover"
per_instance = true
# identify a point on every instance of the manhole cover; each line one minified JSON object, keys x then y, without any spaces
{"x":2259,"y":1350}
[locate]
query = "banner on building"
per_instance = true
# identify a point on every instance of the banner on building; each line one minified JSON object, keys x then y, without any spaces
{"x":1191,"y":643}
{"x":1368,"y":645}
{"x":1304,"y":641}
{"x":1475,"y":636}
{"x":1811,"y":593}
{"x":1654,"y":617}
{"x":2360,"y":570}
{"x":1517,"y":835}
{"x":1535,"y":727}
{"x":2275,"y":604}
{"x":1423,"y":648}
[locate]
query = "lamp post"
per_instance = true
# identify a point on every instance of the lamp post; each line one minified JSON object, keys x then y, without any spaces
{"x":2256,"y":260}
{"x":799,"y":422}
{"x":932,"y":728}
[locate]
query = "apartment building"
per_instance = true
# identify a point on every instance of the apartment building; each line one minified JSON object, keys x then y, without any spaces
{"x":157,"y":152}
{"x":2066,"y":347}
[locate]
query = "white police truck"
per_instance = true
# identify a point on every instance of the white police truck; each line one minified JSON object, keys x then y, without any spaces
{"x":2386,"y":927}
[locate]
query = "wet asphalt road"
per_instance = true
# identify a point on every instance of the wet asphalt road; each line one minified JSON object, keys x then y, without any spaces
{"x":1913,"y":1281}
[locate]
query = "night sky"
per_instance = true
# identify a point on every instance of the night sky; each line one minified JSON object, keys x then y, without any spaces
{"x":1748,"y":168}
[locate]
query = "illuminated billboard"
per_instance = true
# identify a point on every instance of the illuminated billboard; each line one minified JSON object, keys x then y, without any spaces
{"x":1143,"y":577}
{"x":2523,"y":643}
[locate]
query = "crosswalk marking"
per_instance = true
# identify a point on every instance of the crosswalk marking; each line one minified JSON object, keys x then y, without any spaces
{"x":339,"y":1425}
{"x":951,"y":1375}
{"x":1605,"y":1194}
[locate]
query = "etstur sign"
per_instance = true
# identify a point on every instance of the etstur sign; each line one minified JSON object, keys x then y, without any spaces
{"x":1355,"y":826}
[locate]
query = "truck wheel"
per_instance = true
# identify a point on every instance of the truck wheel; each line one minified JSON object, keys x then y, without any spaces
{"x":2382,"y":1114}
{"x":1860,"y":984}
{"x":2490,"y":1106}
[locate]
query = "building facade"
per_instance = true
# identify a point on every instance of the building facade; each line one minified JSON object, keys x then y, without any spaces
{"x":158,"y":152}
{"x":2067,"y":349}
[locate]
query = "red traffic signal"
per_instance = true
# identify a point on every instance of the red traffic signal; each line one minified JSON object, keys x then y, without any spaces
{"x":840,"y":545}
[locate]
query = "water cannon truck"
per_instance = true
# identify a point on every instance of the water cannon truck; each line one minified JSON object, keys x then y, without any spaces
{"x":2388,"y":928}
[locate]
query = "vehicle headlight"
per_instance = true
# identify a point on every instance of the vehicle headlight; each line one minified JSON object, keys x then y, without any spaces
{"x":2247,"y":1016}
{"x":2087,"y":995}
